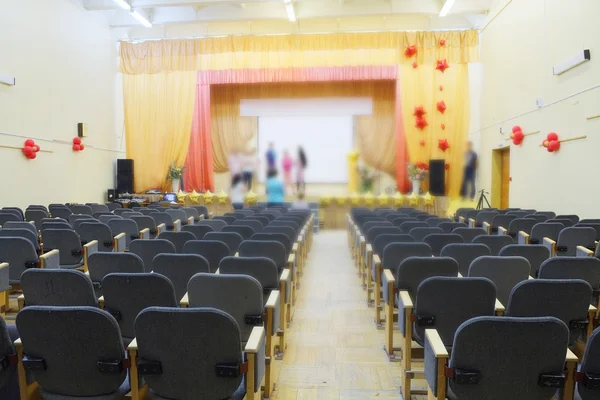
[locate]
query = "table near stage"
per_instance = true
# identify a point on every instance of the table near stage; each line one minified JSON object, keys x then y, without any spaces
{"x":332,"y":209}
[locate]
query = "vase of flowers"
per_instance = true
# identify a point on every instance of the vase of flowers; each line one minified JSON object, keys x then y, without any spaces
{"x":416,"y":173}
{"x":367,"y":178}
{"x":174,"y":175}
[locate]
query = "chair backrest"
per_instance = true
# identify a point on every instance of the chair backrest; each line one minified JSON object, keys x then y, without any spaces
{"x":216,"y":224}
{"x":565,"y":221}
{"x":395,"y":253}
{"x":237,"y":215}
{"x":213,"y":251}
{"x":9,"y":382}
{"x":247,"y":212}
{"x":207,"y":337}
{"x":500,"y":349}
{"x":547,"y":214}
{"x":519,"y":214}
{"x":262,"y":269}
{"x":231,"y":239}
{"x":502,"y":220}
{"x":257,"y":226}
{"x":145,"y":222}
{"x":148,"y":249}
{"x":179,"y":239}
{"x":469,"y":234}
{"x":400,"y":220}
{"x":24,"y":233}
{"x":448,"y":227}
{"x":536,"y":254}
{"x":163,"y":218}
{"x":464,"y":254}
{"x":53,"y":334}
{"x":365,"y":227}
{"x":126,"y":295}
{"x":67,"y":242}
{"x":246,"y":231}
{"x":437,"y":241}
{"x":127,"y":226}
{"x":179,"y":268}
{"x":177,"y":214}
{"x":57,"y":287}
{"x":505,"y":272}
{"x":420,"y":233}
{"x":414,"y":270}
{"x":280,"y":223}
{"x":373,"y":231}
{"x":228,"y":219}
{"x":436,"y":221}
{"x":571,"y":217}
{"x":105,"y":218}
{"x":20,"y":254}
{"x":593,"y":225}
{"x":202,"y":210}
{"x":95,"y":230}
{"x":405,"y":210}
{"x":451,"y":301}
{"x":473,"y":214}
{"x":119,"y":211}
{"x":259,"y":248}
{"x":277,"y":237}
{"x":240,"y":296}
{"x":191,"y":212}
{"x":485,"y":216}
{"x":521,"y":224}
{"x":61,"y":212}
{"x":545,"y":229}
{"x":406,"y":227}
{"x":570,"y":238}
{"x":264,"y":220}
{"x":14,"y":210}
{"x":113,"y":206}
{"x":81,"y":209}
{"x":148,"y":210}
{"x":21,"y":225}
{"x":537,"y":217}
{"x":586,"y":268}
{"x":199,"y":231}
{"x":56,"y":224}
{"x":494,"y":242}
{"x":8,"y":216}
{"x":289,"y":232}
{"x":590,"y":364}
{"x":383,"y":240}
{"x":102,"y":264}
{"x":462,"y":212}
{"x":97,"y":208}
{"x":36,"y":216}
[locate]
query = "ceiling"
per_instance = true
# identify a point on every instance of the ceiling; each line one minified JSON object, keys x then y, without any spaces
{"x":200,"y":18}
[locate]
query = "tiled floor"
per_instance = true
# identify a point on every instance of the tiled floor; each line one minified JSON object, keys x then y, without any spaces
{"x":334,"y":350}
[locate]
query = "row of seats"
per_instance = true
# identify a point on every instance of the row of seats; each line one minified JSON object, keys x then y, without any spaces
{"x":228,"y":287}
{"x":449,"y":287}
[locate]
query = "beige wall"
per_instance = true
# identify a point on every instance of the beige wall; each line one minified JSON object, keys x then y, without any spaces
{"x":518,"y":50}
{"x":65,"y":67}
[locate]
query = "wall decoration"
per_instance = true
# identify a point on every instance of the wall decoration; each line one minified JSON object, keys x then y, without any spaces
{"x":443,"y":145}
{"x":441,"y":106}
{"x":442,"y":65}
{"x":419,"y":111}
{"x":30,"y":149}
{"x":442,"y":42}
{"x":421,"y":123}
{"x":410,"y":51}
{"x":415,"y":65}
{"x":77,"y":144}
{"x":443,"y":127}
{"x":422,"y":143}
{"x":552,"y":141}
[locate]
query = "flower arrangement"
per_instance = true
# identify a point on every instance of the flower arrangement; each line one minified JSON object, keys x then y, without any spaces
{"x":417,"y":171}
{"x":174,"y":172}
{"x":367,"y":178}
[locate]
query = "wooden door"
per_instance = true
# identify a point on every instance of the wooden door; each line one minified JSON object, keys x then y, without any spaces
{"x":505,"y":178}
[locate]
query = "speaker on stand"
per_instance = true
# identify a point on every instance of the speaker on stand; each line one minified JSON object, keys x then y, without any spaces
{"x":125,"y":176}
{"x":437,"y":177}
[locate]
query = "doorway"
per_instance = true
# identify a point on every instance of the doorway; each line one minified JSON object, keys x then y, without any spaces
{"x":501,"y":177}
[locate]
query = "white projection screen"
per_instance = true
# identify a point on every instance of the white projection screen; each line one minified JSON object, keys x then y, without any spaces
{"x":327,"y":140}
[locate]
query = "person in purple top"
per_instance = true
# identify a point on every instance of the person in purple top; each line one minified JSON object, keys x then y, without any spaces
{"x":271,"y":157}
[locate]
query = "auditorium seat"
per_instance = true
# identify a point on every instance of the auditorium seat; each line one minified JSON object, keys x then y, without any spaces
{"x":212,"y":251}
{"x":130,"y":228}
{"x":56,"y":287}
{"x":148,"y":210}
{"x":505,"y":272}
{"x":102,"y":264}
{"x":180,"y":214}
{"x":61,"y":212}
{"x":420,"y":233}
{"x":147,"y":222}
{"x":588,"y":387}
{"x":72,"y":254}
{"x":540,"y":231}
{"x":148,"y":249}
{"x":536,"y":254}
{"x":179,"y":268}
{"x":494,"y":242}
{"x":191,"y":212}
{"x":81,"y":209}
{"x":89,"y":231}
{"x":8,"y":216}
{"x":113,"y":206}
{"x":464,"y":254}
{"x":468,"y":234}
{"x":374,"y":254}
{"x":571,"y":217}
{"x":99,"y":208}
{"x":231,"y":239}
{"x":568,"y":240}
{"x":437,"y":241}
{"x":9,"y":379}
{"x":406,"y":227}
{"x":105,"y":218}
{"x":245,"y":231}
{"x":22,"y":233}
{"x":130,"y":214}
{"x":567,"y":222}
{"x":229,"y":220}
{"x":448,"y":227}
{"x":179,"y":239}
{"x":500,"y":220}
{"x":400,"y":220}
{"x":537,"y":217}
{"x":14,"y":210}
{"x":256,"y":223}
{"x":516,"y":226}
{"x":214,"y":223}
{"x":36,"y":216}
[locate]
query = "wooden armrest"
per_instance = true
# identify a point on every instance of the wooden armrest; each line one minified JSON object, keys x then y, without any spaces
{"x":18,"y":343}
{"x":5,"y":264}
{"x":460,"y":275}
{"x":361,"y":239}
{"x":388,"y":276}
{"x":571,"y":357}
{"x":295,"y":247}
{"x":376,"y":259}
{"x":369,"y":247}
{"x":585,"y":251}
{"x":161,"y":228}
{"x":273,"y":299}
{"x":145,"y":233}
{"x":592,"y":309}
{"x":524,"y":236}
{"x":45,"y":258}
{"x":133,"y":345}
{"x":461,"y":219}
{"x":20,"y":300}
{"x":185,"y":301}
{"x":177,"y":225}
{"x":285,"y":275}
{"x":101,"y":301}
{"x":433,"y":337}
{"x":487,"y":227}
{"x":405,"y":299}
{"x":190,"y":221}
{"x":90,"y":244}
{"x":210,"y":215}
{"x":550,"y":242}
{"x":50,"y":254}
{"x":502,"y":230}
{"x":120,"y":236}
{"x":291,"y":259}
{"x":471,"y":223}
{"x":530,"y":278}
{"x":499,"y":307}
{"x":252,"y":346}
{"x":237,"y":254}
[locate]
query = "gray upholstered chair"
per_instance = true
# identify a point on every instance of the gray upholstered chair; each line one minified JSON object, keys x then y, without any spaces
{"x":519,"y":214}
{"x":191,"y":212}
{"x":483,"y":219}
{"x":374,"y":254}
{"x":119,"y":211}
{"x":569,"y":239}
{"x":179,"y":239}
{"x":501,"y":221}
{"x":130,"y":214}
{"x":23,"y":233}
{"x":147,"y":222}
{"x":270,"y":249}
{"x":420,"y":233}
{"x":57,"y":224}
{"x":462,"y":213}
{"x":105,"y":218}
{"x":231,"y":239}
{"x":264,"y":220}
{"x":130,"y":228}
{"x":94,"y":230}
{"x":125,"y":295}
{"x":15,"y":210}
{"x":179,"y":214}
{"x":77,"y":217}
{"x":16,"y":256}
{"x":537,"y":217}
{"x":277,"y":237}
{"x":167,"y":219}
{"x":536,"y":254}
{"x":61,"y":212}
{"x":291,"y":233}
{"x":247,"y":212}
{"x":113,"y":206}
{"x":437,"y":241}
{"x":547,"y":214}
{"x":494,"y":358}
{"x":179,"y":268}
{"x":448,"y":227}
{"x":518,"y":225}
{"x":202,"y":210}
{"x":102,"y":264}
{"x":55,"y":357}
{"x":198,"y":230}
{"x":256,"y":225}
{"x":228,"y":219}
{"x":9,"y":379}
{"x":565,"y":299}
{"x":21,"y":225}
{"x":494,"y":242}
{"x":213,"y":251}
{"x":468,"y":234}
{"x":400,"y":220}
{"x":209,"y":346}
{"x":81,"y":209}
{"x":540,"y":231}
{"x":72,"y":253}
{"x":464,"y":254}
{"x":594,"y":225}
{"x":442,"y":303}
{"x":587,"y":269}
{"x":148,"y":249}
{"x":406,"y":227}
{"x":213,"y":223}
{"x":148,"y":210}
{"x":588,"y":387}
{"x":572,"y":217}
{"x":505,"y":272}
{"x":246,"y":231}
{"x":36,"y":216}
{"x":8,"y":216}
{"x":98,"y":208}
{"x":56,"y":287}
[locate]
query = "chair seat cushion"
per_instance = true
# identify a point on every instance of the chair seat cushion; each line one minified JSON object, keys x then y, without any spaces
{"x":117,"y":395}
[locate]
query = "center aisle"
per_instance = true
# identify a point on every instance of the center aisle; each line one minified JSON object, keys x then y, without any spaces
{"x":334,"y":351}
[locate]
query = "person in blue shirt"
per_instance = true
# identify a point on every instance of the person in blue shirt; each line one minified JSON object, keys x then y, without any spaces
{"x":468,"y":184}
{"x":275,"y":188}
{"x":271,"y":157}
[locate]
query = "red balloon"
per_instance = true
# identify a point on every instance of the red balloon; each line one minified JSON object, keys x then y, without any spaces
{"x":76,"y":147}
{"x":442,"y":42}
{"x":516,"y":128}
{"x":31,"y":156}
{"x":443,"y":126}
{"x":29,"y":142}
{"x":441,"y":88}
{"x":519,"y":135}
{"x":552,"y":136}
{"x":517,"y":142}
{"x":545,"y":143}
{"x":554,"y":145}
{"x":550,"y":150}
{"x":447,"y":166}
{"x":28,"y":150}
{"x":81,"y":147}
{"x":76,"y":140}
{"x":415,"y":65}
{"x":36,"y":148}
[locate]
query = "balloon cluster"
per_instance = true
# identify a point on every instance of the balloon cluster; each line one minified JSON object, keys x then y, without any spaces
{"x":551,"y":143}
{"x":30,"y":149}
{"x":517,"y":135}
{"x":77,"y":145}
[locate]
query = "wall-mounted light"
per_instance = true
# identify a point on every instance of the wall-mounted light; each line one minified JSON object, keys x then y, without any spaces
{"x":289,"y":7}
{"x":579,"y":59}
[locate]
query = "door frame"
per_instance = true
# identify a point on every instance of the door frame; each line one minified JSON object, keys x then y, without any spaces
{"x":496,"y":199}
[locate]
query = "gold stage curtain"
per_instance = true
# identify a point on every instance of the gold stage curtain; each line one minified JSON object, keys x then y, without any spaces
{"x":287,"y":51}
{"x":158,"y":120}
{"x":374,"y":134}
{"x":421,"y":87}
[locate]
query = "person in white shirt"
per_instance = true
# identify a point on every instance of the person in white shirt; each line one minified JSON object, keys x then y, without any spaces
{"x":237,"y":192}
{"x":300,"y":204}
{"x":235,"y":163}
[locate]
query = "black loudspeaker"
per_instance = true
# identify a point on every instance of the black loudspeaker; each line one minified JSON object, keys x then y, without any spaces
{"x":437,"y":177}
{"x":111,"y":195}
{"x":125,"y":175}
